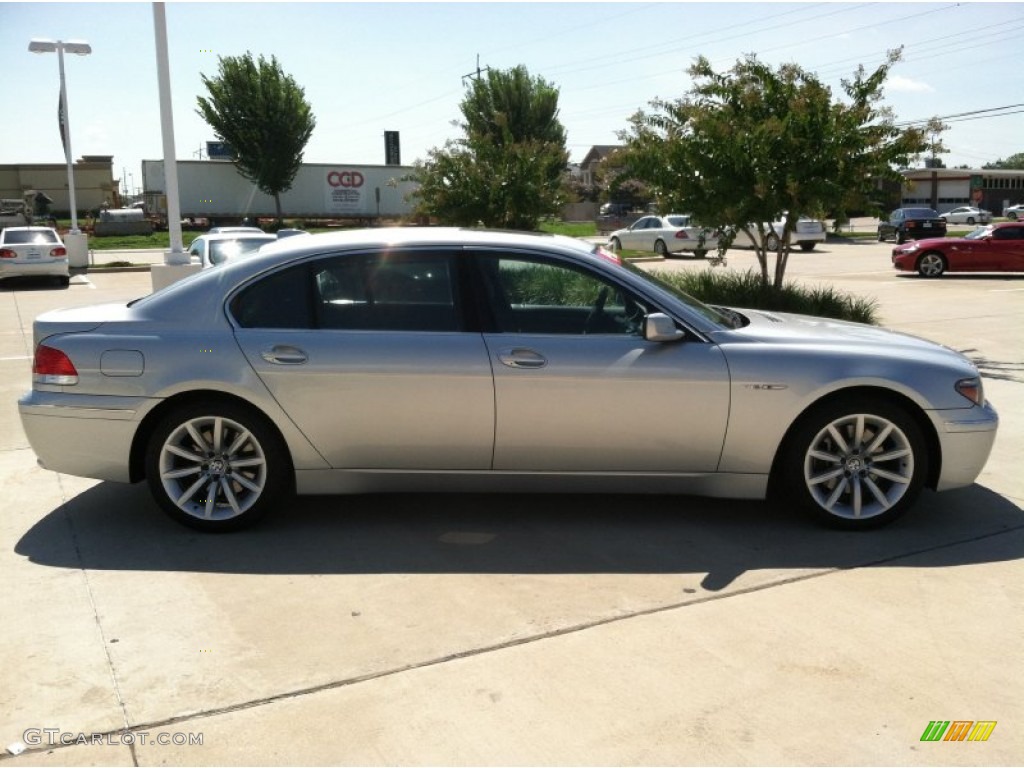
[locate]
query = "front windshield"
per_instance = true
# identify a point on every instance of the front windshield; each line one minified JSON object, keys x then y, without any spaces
{"x":697,"y":306}
{"x":978,"y":233}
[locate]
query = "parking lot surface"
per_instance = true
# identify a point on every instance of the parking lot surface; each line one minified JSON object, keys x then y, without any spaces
{"x":487,"y":630}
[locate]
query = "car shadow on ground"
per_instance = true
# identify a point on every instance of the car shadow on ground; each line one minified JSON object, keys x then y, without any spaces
{"x":118,"y":527}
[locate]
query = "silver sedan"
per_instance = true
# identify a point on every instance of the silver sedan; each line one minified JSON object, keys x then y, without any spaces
{"x":967,"y":215}
{"x":435,"y":359}
{"x":664,"y":235}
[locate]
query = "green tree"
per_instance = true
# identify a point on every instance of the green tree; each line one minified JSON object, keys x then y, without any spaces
{"x":508,"y":168}
{"x":262,"y":113}
{"x":754,"y":145}
{"x":1013,"y":162}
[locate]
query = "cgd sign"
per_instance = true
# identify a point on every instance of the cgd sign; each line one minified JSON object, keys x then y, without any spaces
{"x":345,"y":179}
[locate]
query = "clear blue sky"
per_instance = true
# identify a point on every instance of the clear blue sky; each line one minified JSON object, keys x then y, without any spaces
{"x":371,"y":67}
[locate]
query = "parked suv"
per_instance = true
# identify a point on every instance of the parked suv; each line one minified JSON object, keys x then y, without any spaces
{"x":912,"y":224}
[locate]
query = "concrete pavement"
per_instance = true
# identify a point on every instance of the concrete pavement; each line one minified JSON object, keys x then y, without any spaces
{"x":521,"y":630}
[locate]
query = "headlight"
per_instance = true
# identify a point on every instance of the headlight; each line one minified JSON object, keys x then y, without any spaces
{"x":971,"y":389}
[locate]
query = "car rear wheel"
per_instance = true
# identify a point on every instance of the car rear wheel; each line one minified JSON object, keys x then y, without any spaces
{"x":855,"y":464}
{"x":216,"y":467}
{"x":881,"y":236}
{"x":660,"y":248}
{"x":970,"y":220}
{"x":1012,"y":215}
{"x":900,"y":238}
{"x":700,"y":253}
{"x":931,"y":265}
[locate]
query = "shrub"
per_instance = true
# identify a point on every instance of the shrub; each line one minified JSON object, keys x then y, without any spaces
{"x":744,"y":290}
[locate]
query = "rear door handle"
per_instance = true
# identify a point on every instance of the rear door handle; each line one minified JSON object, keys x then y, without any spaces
{"x":522,"y":358}
{"x":282,"y":354}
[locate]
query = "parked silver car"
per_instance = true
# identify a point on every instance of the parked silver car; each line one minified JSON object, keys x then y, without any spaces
{"x":967,"y":214}
{"x":664,"y":235}
{"x":441,"y":359}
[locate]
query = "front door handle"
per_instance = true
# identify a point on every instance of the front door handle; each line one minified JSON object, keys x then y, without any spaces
{"x":283,"y":354}
{"x":522,"y":358}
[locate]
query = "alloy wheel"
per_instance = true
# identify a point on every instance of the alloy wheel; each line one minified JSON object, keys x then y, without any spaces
{"x":859,"y":466}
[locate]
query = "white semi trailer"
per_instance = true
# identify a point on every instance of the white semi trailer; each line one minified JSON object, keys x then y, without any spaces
{"x":214,"y":190}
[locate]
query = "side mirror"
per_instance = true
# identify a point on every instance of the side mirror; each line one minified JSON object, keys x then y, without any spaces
{"x":661,"y":327}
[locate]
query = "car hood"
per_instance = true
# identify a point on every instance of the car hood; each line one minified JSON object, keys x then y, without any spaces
{"x":931,"y":242}
{"x":789,"y":329}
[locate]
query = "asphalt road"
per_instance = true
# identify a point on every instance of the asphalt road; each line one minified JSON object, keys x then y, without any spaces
{"x":457,"y":630}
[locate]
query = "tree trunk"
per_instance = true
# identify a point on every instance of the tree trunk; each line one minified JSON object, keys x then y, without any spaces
{"x":277,"y":205}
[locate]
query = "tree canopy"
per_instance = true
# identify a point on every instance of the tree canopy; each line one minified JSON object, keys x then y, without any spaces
{"x":262,"y":113}
{"x":755,"y":145}
{"x":1013,"y":162}
{"x":507,"y":169}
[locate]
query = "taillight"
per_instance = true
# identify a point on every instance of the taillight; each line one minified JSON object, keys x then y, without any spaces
{"x":51,"y":366}
{"x":59,"y":251}
{"x":682,"y":234}
{"x":7,"y":253}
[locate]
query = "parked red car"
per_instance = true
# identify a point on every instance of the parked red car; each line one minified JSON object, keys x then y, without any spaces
{"x":995,"y":248}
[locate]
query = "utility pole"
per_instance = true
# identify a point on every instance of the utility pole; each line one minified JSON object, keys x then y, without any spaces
{"x":478,"y":70}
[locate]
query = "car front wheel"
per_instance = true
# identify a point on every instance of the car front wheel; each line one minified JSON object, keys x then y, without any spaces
{"x":931,"y":265}
{"x":970,"y":220}
{"x":856,"y":463}
{"x":216,"y":467}
{"x":614,"y":244}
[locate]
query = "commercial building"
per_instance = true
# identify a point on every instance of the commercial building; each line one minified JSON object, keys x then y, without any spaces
{"x":946,"y":188}
{"x":95,"y":184}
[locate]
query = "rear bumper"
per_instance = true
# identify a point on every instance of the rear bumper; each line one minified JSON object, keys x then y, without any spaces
{"x":34,"y":269}
{"x":90,"y":438}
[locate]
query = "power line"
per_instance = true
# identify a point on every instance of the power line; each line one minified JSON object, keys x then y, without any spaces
{"x":952,"y":117}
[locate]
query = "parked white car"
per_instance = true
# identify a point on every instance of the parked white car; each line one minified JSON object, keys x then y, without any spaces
{"x":967,"y":214}
{"x":1014,"y":212}
{"x":32,"y":252}
{"x":665,"y":235}
{"x":213,"y":249}
{"x":809,"y":232}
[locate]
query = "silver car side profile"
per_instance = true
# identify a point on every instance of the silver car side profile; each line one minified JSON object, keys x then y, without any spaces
{"x":423,"y":359}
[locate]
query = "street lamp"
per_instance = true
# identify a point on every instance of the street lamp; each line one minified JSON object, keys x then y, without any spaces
{"x":79,"y":48}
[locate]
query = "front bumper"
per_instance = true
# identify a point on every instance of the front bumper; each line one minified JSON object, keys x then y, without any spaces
{"x":966,"y":437}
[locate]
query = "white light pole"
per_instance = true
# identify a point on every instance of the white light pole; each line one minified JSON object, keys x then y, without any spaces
{"x":79,"y":48}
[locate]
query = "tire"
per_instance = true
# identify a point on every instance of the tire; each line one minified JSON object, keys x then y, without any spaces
{"x":851,"y":482}
{"x":661,"y":249}
{"x":614,"y":244}
{"x":249,"y":473}
{"x":700,"y":254}
{"x":931,"y":264}
{"x":881,"y":237}
{"x":771,"y":243}
{"x":807,"y":246}
{"x":62,"y":282}
{"x":1012,"y":215}
{"x":900,"y":238}
{"x":970,"y":220}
